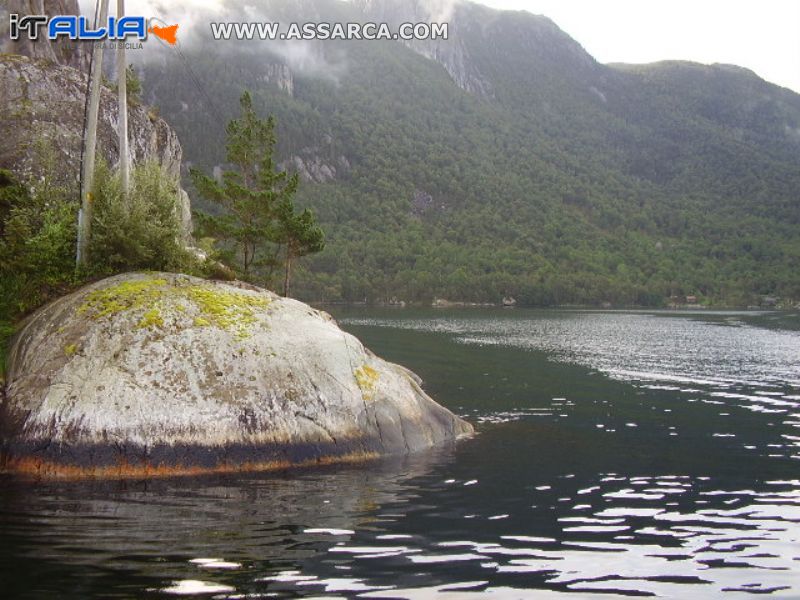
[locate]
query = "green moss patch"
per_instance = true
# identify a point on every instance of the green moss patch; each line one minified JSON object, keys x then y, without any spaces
{"x":367,"y":380}
{"x":228,"y":310}
{"x":152,"y":318}
{"x":123,"y":297}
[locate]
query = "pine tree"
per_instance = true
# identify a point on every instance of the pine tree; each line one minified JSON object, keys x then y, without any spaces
{"x":301,"y":236}
{"x":258,"y":218}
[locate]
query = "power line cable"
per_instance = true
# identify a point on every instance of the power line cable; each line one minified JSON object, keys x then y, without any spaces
{"x":212,"y":107}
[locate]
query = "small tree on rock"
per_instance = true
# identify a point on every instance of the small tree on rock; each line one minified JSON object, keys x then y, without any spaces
{"x":301,"y":236}
{"x":257,"y":200}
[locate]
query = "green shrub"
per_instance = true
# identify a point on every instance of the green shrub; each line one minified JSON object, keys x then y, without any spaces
{"x":140,"y":230}
{"x":37,"y":247}
{"x":6,"y":331}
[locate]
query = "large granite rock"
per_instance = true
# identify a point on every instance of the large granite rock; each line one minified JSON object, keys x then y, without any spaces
{"x":147,"y":374}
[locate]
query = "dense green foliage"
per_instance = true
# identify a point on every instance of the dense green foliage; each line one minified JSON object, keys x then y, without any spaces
{"x":139,"y":229}
{"x":565,"y":181}
{"x":257,"y":217}
{"x":37,"y":246}
{"x":299,"y":234}
{"x":133,"y":85}
{"x":37,"y":243}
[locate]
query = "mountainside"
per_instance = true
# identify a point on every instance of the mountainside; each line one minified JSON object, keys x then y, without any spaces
{"x":507,"y":161}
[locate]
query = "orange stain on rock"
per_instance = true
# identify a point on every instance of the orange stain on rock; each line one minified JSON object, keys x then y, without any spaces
{"x":38,"y":468}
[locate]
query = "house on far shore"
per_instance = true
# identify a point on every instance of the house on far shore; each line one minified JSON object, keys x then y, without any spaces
{"x":691,"y":299}
{"x":769,"y":301}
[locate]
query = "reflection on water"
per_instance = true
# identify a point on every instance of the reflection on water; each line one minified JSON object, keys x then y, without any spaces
{"x":617,"y":454}
{"x":716,"y":360}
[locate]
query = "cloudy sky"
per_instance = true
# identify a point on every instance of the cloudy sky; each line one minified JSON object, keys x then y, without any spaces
{"x":762,"y":35}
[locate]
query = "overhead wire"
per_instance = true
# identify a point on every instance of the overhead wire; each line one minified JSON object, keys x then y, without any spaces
{"x":216,"y":113}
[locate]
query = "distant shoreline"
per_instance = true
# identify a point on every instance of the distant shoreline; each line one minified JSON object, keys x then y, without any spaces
{"x":592,"y":307}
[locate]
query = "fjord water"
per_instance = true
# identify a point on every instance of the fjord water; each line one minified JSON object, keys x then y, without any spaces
{"x":617,"y":453}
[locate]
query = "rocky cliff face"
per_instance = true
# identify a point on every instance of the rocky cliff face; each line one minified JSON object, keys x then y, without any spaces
{"x":453,"y":54}
{"x":63,"y":51}
{"x":42,"y":100}
{"x":311,"y":166}
{"x":279,"y":74}
{"x":43,"y":88}
{"x":480,"y":38}
{"x":165,"y":374}
{"x":42,"y":106}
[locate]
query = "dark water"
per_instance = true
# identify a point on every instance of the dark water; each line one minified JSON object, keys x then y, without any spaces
{"x":617,"y":453}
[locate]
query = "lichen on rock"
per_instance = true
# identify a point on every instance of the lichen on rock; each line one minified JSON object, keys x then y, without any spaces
{"x":125,"y":295}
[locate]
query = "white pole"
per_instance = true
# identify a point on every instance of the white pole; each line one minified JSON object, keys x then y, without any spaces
{"x":90,"y":145}
{"x":122,"y":87}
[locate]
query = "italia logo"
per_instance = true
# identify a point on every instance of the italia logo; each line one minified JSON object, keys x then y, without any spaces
{"x":76,"y":27}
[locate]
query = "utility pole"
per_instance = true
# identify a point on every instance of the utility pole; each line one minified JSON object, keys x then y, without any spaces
{"x":122,"y":88}
{"x":90,"y":145}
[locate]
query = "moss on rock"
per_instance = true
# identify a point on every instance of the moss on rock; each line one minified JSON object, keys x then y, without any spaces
{"x":367,"y":380}
{"x":227,"y":310}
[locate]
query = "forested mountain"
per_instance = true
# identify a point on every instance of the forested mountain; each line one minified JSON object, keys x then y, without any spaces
{"x":506,"y":160}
